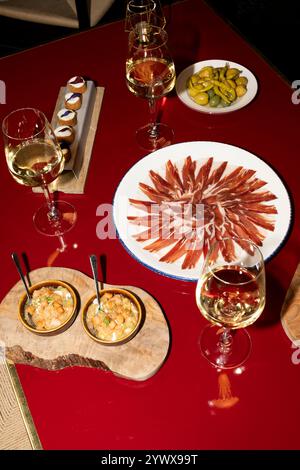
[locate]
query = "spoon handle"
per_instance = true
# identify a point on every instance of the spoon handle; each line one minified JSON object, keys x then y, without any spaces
{"x":93,"y":261}
{"x":18,"y":266}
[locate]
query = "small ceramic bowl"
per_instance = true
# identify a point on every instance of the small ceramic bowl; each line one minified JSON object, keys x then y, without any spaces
{"x":118,"y":320}
{"x":59,"y":322}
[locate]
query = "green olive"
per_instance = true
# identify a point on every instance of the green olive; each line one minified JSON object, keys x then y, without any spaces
{"x":211,"y":93}
{"x":224,"y":104}
{"x":232,"y":73}
{"x":206,"y":72}
{"x":214,"y":101}
{"x":241,"y":90}
{"x":201,"y":98}
{"x":241,"y":81}
{"x":193,"y":91}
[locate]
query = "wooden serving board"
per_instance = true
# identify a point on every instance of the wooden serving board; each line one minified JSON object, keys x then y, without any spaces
{"x":73,"y":180}
{"x":290,"y":313}
{"x":138,"y":359}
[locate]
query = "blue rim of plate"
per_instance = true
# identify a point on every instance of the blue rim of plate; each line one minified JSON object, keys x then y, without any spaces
{"x":185,"y":279}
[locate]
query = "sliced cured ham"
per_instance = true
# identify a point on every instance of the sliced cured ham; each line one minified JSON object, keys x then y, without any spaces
{"x":190,"y":208}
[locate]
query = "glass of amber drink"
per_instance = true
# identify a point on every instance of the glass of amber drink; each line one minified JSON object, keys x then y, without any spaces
{"x":150,"y":74}
{"x":230,"y":294}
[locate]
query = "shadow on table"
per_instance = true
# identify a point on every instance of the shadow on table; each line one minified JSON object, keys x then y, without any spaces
{"x":184,"y":47}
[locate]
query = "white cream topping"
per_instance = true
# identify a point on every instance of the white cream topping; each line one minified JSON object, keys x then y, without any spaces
{"x":66,"y":114}
{"x":78,"y":84}
{"x":72,"y":98}
{"x":63,"y":131}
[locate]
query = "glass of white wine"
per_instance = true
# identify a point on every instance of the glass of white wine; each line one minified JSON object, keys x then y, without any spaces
{"x":231,"y":295}
{"x":34,"y":158}
{"x":150,"y":74}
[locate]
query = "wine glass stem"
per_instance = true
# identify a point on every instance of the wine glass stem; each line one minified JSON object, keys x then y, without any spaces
{"x":225,"y":342}
{"x":63,"y":245}
{"x":153,"y":118}
{"x":53,"y":215}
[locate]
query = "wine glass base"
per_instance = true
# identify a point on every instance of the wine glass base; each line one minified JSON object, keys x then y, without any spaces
{"x":62,"y":223}
{"x":147,"y":141}
{"x":225,"y":358}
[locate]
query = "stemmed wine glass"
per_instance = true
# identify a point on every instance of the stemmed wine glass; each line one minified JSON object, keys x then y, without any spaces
{"x":150,"y":74}
{"x":230,"y":294}
{"x":34,"y":158}
{"x":148,"y":11}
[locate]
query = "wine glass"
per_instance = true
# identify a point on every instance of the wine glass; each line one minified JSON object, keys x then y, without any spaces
{"x":149,"y":11}
{"x":34,"y":158}
{"x":230,"y":294}
{"x":150,"y":74}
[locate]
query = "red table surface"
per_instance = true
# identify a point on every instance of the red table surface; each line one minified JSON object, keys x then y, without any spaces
{"x":82,"y":408}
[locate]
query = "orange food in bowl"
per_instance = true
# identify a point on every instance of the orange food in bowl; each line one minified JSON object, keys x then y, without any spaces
{"x":52,"y":307}
{"x":116,"y":320}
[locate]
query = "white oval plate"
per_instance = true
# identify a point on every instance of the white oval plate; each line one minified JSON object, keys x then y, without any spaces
{"x":199,"y":151}
{"x":183,"y":95}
